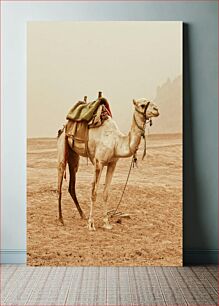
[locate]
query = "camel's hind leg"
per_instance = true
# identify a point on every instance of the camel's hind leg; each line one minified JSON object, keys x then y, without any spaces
{"x":73,"y":162}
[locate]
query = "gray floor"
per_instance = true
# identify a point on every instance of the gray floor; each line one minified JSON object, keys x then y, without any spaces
{"x":23,"y":285}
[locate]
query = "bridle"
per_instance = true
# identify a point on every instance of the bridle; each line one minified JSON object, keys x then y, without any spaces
{"x":142,"y":128}
{"x":145,"y":110}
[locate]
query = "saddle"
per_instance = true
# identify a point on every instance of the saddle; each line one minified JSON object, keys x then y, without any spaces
{"x":82,"y":117}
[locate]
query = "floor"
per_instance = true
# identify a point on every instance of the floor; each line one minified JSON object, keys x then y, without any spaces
{"x":22,"y":285}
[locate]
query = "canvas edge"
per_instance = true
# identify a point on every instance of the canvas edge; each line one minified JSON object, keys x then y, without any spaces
{"x":190,"y":257}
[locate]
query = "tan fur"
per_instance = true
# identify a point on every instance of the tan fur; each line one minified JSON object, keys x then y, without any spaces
{"x":105,"y":146}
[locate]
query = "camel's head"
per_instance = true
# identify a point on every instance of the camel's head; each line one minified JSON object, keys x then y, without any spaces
{"x":146,"y":108}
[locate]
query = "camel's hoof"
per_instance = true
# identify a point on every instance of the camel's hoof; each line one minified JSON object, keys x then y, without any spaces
{"x":91,"y":226}
{"x":107,"y":226}
{"x":61,"y":221}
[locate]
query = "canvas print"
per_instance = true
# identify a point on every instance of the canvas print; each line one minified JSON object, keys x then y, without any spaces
{"x":104,"y":143}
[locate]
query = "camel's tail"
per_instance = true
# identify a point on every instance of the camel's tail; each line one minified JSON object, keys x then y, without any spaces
{"x":61,"y":131}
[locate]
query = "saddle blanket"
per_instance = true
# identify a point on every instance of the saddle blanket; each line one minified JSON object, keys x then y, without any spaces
{"x":83,"y":111}
{"x":84,"y":116}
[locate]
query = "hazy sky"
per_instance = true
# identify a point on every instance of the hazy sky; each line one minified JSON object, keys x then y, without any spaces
{"x":124,"y":60}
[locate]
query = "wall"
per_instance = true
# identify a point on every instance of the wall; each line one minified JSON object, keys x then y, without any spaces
{"x":200,"y":112}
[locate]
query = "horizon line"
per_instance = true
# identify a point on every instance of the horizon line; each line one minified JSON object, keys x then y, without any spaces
{"x":151,"y":134}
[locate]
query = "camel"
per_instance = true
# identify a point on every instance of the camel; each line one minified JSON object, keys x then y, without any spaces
{"x":106,"y":145}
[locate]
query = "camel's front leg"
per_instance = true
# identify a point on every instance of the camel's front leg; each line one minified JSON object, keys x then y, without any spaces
{"x":61,"y":170}
{"x":109,"y":176}
{"x":98,"y":167}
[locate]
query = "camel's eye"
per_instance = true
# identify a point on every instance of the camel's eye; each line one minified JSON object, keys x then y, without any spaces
{"x":142,"y":105}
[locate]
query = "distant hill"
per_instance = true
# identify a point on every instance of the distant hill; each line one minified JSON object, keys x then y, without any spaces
{"x":169,"y":100}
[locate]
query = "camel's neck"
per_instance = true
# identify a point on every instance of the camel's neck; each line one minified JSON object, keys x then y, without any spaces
{"x":128,"y":145}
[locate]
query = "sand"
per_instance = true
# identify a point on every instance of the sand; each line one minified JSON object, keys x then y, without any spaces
{"x":153,"y":199}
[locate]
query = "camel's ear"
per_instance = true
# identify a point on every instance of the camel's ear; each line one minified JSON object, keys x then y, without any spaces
{"x":134,"y":102}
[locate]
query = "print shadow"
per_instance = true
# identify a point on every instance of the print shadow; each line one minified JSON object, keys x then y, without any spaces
{"x":193,"y":230}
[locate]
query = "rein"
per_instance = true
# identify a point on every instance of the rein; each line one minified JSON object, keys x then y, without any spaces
{"x":114,"y":212}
